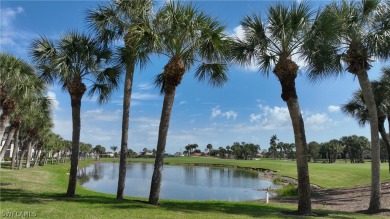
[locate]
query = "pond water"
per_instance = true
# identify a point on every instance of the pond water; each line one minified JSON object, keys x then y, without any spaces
{"x":185,"y":182}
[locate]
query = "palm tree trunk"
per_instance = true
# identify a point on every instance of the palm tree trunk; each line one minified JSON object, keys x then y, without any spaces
{"x":162,"y":138}
{"x":365,"y":85}
{"x":286,"y":71}
{"x":382,"y":131}
{"x":25,"y":146}
{"x":76,"y":122}
{"x":16,"y":148}
{"x":7,"y":142}
{"x":304,"y":202}
{"x":29,"y":154}
{"x":4,"y":119}
{"x":125,"y":129}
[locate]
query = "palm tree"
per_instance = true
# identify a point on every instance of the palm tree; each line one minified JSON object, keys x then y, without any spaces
{"x":209,"y":148}
{"x":385,"y":81}
{"x":71,"y":60}
{"x":17,"y":80}
{"x":273,"y":44}
{"x":357,"y":108}
{"x":187,"y":37}
{"x":362,"y":28}
{"x":128,"y":20}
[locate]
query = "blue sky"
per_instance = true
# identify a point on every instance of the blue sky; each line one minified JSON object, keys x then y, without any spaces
{"x":248,"y":108}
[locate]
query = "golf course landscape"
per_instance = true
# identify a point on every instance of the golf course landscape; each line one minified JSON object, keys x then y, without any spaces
{"x":40,"y":192}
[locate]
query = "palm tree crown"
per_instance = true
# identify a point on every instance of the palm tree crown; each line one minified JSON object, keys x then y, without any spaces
{"x":188,"y":36}
{"x":72,"y":60}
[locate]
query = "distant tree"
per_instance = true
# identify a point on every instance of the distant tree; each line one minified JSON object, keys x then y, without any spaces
{"x":131,"y":153}
{"x":273,"y":146}
{"x":209,"y":148}
{"x":114,"y":148}
{"x":98,"y":149}
{"x":355,"y":146}
{"x":332,"y":149}
{"x":313,"y":150}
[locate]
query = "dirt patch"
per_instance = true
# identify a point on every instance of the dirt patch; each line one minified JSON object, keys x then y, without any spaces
{"x":353,"y":199}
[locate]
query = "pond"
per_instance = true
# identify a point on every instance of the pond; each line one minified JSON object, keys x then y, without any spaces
{"x":185,"y":182}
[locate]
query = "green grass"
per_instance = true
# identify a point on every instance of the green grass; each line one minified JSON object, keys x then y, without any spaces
{"x":40,"y":191}
{"x":334,"y":175}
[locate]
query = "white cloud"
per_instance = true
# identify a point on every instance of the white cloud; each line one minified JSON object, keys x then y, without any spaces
{"x":238,"y":32}
{"x":217,"y":112}
{"x":275,"y":118}
{"x":8,"y":36}
{"x":145,"y":86}
{"x":100,"y":115}
{"x":143,"y":96}
{"x":333,"y":108}
{"x":255,"y":117}
{"x":318,"y":121}
{"x":182,"y":102}
{"x":231,"y":114}
{"x":53,"y":99}
{"x":7,"y":15}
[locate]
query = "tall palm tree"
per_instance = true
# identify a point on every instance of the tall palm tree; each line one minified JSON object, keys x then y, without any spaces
{"x":363,"y":36}
{"x":357,"y":108}
{"x":187,"y":37}
{"x":72,"y":60}
{"x":128,"y":20}
{"x":273,"y":44}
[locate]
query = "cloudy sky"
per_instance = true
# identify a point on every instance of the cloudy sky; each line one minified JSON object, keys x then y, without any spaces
{"x":248,"y":108}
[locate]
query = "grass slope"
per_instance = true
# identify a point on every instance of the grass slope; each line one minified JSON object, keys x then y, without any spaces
{"x":40,"y":192}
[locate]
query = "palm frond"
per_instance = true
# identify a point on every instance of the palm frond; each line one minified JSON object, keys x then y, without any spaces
{"x":213,"y":73}
{"x":159,"y":82}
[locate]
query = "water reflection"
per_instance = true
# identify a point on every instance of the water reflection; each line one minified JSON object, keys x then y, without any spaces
{"x":179,"y":182}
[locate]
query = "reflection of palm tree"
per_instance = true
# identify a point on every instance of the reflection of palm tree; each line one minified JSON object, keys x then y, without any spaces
{"x":187,"y":36}
{"x":71,"y":60}
{"x":83,"y":176}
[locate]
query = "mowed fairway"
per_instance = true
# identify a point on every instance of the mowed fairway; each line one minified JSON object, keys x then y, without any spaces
{"x":40,"y":191}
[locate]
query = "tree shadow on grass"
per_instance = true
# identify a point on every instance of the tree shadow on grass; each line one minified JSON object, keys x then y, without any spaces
{"x":249,"y":209}
{"x":26,"y":197}
{"x":188,"y":207}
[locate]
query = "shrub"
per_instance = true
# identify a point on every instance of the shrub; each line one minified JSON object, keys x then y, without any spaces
{"x":288,"y":190}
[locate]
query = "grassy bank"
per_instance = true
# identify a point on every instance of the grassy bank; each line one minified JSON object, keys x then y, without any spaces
{"x":334,"y":175}
{"x":40,"y":192}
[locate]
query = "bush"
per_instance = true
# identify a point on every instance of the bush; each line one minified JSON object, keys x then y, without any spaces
{"x":278,"y":181}
{"x":288,"y":190}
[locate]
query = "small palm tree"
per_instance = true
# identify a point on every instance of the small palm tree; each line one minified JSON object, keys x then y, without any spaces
{"x":362,"y":30}
{"x":72,"y":60}
{"x":114,"y":148}
{"x":187,"y":37}
{"x":385,"y":81}
{"x":357,"y":108}
{"x":128,"y":20}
